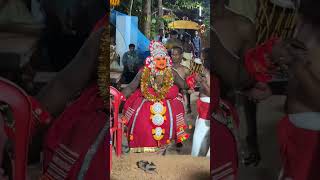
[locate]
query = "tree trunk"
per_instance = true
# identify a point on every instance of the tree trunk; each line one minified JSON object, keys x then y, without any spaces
{"x":130,"y":10}
{"x":161,"y":25}
{"x":147,"y":18}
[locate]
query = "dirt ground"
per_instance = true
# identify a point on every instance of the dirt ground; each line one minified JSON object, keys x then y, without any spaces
{"x":173,"y":166}
{"x":268,"y":115}
{"x":169,"y":167}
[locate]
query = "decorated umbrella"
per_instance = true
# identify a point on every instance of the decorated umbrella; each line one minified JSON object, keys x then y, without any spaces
{"x":183,"y":24}
{"x":114,"y":2}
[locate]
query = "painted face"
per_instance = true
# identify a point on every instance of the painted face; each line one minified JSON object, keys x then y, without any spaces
{"x":161,"y":62}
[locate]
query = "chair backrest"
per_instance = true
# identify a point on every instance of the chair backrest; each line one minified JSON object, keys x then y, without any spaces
{"x":18,"y":130}
{"x":115,"y":104}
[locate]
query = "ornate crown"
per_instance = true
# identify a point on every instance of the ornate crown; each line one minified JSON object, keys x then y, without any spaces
{"x":157,"y":49}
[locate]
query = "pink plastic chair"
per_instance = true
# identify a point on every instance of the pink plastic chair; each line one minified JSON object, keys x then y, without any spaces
{"x":116,"y":123}
{"x":18,"y":128}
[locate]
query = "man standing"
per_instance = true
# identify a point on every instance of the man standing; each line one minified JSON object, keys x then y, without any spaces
{"x":188,"y":50}
{"x":161,"y":37}
{"x":130,"y":61}
{"x":174,"y":40}
{"x":197,"y":44}
{"x":299,"y":131}
{"x":236,"y":34}
{"x":183,"y":71}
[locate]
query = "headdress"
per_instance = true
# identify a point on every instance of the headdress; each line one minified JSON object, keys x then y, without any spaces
{"x":157,"y":49}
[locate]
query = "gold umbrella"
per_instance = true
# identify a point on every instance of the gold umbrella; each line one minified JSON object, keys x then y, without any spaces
{"x":114,"y":2}
{"x":183,"y":24}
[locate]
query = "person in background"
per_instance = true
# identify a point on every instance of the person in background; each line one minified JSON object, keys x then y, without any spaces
{"x":181,"y":70}
{"x":197,"y":44}
{"x":173,"y":41}
{"x":299,"y":130}
{"x":114,"y":58}
{"x":188,"y":50}
{"x":161,"y":37}
{"x":201,"y":136}
{"x":130,"y":60}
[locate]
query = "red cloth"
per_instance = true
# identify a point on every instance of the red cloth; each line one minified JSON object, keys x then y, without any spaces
{"x":256,"y":63}
{"x":224,"y":154}
{"x":214,"y":92}
{"x":191,"y":82}
{"x":300,"y":149}
{"x":142,"y":133}
{"x":101,"y":23}
{"x":224,"y":149}
{"x":72,"y":134}
{"x":203,"y":109}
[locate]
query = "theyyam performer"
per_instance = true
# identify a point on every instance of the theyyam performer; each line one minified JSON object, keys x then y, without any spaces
{"x":154,"y":112}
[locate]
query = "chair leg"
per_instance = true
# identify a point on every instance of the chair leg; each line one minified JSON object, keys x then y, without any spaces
{"x":111,"y":147}
{"x":110,"y":156}
{"x":119,"y":141}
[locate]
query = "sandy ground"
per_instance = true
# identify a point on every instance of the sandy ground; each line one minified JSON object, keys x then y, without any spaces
{"x":169,"y":167}
{"x":173,"y":166}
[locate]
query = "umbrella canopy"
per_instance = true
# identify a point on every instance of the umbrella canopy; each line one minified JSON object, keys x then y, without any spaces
{"x":183,"y":24}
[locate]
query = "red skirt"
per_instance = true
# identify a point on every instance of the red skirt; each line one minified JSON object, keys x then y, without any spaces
{"x":300,"y":151}
{"x":72,"y":134}
{"x":137,"y":112}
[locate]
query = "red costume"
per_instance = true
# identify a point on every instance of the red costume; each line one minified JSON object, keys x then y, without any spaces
{"x":257,"y":65}
{"x":224,"y":127}
{"x":72,"y":135}
{"x":299,"y":150}
{"x":153,"y":124}
{"x":137,"y":111}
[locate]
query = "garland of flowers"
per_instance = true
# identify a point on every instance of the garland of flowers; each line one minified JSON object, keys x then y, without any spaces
{"x":147,"y":80}
{"x":103,"y":67}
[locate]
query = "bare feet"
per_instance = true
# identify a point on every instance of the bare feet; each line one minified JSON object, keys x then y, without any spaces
{"x":253,"y":155}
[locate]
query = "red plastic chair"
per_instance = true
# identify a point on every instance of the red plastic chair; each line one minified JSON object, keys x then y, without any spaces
{"x":116,"y":123}
{"x":20,"y":106}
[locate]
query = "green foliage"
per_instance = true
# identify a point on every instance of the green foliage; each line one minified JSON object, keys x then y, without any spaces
{"x":183,"y":4}
{"x":176,"y":5}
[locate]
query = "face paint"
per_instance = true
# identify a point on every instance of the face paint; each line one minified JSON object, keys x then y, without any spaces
{"x":159,"y":59}
{"x":161,"y":62}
